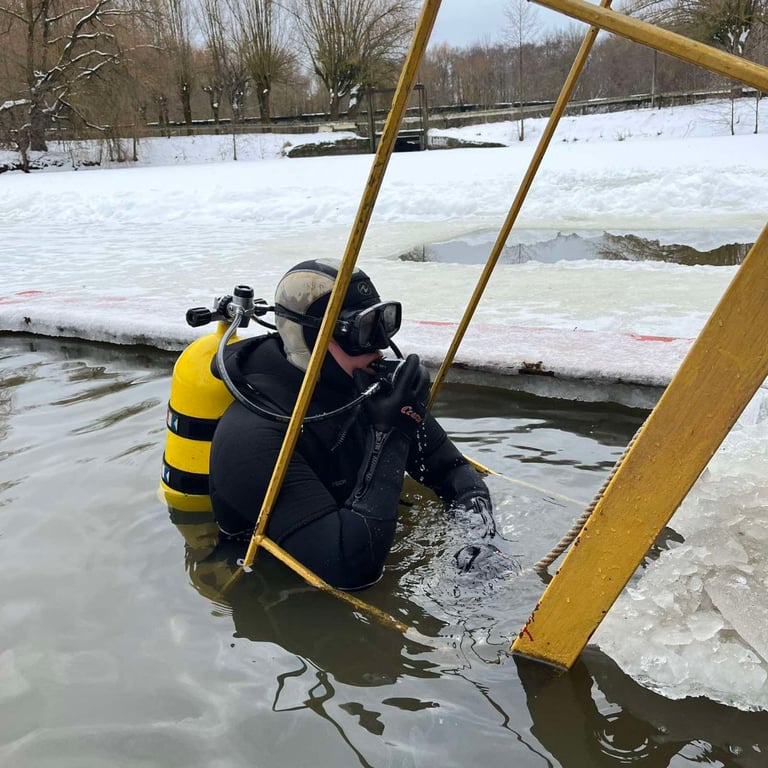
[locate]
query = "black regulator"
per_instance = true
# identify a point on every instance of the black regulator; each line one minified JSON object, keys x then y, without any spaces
{"x":226,"y":308}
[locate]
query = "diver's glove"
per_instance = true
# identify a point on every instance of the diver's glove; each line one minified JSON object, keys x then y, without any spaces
{"x":480,"y":509}
{"x":477,"y":557}
{"x":401,"y":404}
{"x":486,"y":560}
{"x":483,"y":558}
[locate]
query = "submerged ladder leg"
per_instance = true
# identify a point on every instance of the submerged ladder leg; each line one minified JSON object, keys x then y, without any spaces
{"x":722,"y":371}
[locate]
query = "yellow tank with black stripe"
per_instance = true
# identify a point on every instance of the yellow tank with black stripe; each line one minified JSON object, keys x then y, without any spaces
{"x":197,"y":401}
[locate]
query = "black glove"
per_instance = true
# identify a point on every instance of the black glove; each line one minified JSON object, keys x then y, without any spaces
{"x":477,"y":557}
{"x":480,"y":508}
{"x":486,"y":560}
{"x":402,"y":404}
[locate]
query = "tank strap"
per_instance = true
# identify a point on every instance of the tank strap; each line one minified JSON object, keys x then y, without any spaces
{"x":190,"y":427}
{"x":184,"y":482}
{"x":181,"y":517}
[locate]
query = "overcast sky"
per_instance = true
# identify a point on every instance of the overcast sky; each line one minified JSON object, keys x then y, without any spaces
{"x":461,"y":23}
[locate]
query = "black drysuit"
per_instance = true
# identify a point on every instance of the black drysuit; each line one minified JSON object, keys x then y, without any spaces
{"x":337,"y":507}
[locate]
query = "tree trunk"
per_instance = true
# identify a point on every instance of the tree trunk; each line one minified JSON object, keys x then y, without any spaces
{"x":186,"y":106}
{"x":235,"y":118}
{"x":334,"y":106}
{"x":37,"y":128}
{"x":520,"y":83}
{"x":22,"y":143}
{"x":262,"y":96}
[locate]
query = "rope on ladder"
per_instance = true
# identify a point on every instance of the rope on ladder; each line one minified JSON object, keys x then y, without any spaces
{"x":577,"y":527}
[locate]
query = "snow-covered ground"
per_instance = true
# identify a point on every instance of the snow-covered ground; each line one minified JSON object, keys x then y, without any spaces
{"x":120,"y":253}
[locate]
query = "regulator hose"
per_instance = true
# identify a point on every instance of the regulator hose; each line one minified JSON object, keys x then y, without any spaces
{"x":244,"y":400}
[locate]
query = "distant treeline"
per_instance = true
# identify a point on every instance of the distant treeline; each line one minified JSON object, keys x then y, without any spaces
{"x":107,"y":67}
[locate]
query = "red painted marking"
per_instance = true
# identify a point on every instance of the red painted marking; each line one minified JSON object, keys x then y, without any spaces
{"x":525,"y":631}
{"x":24,"y":296}
{"x":16,"y":298}
{"x":640,"y":337}
{"x":539,"y":329}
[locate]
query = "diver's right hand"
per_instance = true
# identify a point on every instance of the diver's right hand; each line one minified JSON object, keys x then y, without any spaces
{"x":480,"y":509}
{"x":402,"y":405}
{"x":486,"y":560}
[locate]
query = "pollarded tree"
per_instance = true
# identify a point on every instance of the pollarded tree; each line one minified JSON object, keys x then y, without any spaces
{"x":62,"y":45}
{"x":265,"y":41}
{"x":228,"y":70}
{"x":352,"y":44}
{"x":214,"y":21}
{"x":175,"y":22}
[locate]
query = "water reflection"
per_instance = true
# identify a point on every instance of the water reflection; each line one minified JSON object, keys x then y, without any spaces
{"x":572,"y":247}
{"x":274,"y":605}
{"x":594,"y":715}
{"x":115,"y":417}
{"x":536,"y":435}
{"x":111,"y":656}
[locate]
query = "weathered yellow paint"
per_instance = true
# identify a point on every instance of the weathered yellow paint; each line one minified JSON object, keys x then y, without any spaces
{"x":381,"y":159}
{"x":723,"y":369}
{"x":316,"y":581}
{"x":663,"y":40}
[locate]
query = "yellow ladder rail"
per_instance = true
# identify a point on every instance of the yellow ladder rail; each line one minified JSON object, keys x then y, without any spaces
{"x":663,"y":40}
{"x":381,"y":159}
{"x":525,"y":185}
{"x":720,"y":373}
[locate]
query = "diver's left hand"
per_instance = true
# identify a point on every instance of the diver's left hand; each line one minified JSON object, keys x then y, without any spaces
{"x":480,"y":508}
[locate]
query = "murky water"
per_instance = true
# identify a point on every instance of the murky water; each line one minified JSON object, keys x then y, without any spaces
{"x":726,"y":249}
{"x":113,"y":651}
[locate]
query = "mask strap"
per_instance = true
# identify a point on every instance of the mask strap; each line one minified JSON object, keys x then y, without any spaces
{"x":342,"y":326}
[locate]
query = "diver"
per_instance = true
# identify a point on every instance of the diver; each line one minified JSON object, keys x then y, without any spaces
{"x":338,"y":505}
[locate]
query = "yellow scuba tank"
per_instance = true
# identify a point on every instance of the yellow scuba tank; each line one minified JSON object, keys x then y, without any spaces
{"x":197,"y":401}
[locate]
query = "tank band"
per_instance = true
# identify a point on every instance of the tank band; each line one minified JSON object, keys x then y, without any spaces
{"x":180,"y":517}
{"x":184,"y":482}
{"x":190,"y":427}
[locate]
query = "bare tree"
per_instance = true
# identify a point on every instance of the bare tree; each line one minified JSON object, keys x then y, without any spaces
{"x":12,"y":114}
{"x":726,"y":23}
{"x":352,"y":43}
{"x":266,"y":46}
{"x":522,"y":19}
{"x":227,"y":76}
{"x":66,"y":45}
{"x":175,"y":22}
{"x":437,"y":71}
{"x":213,"y":19}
